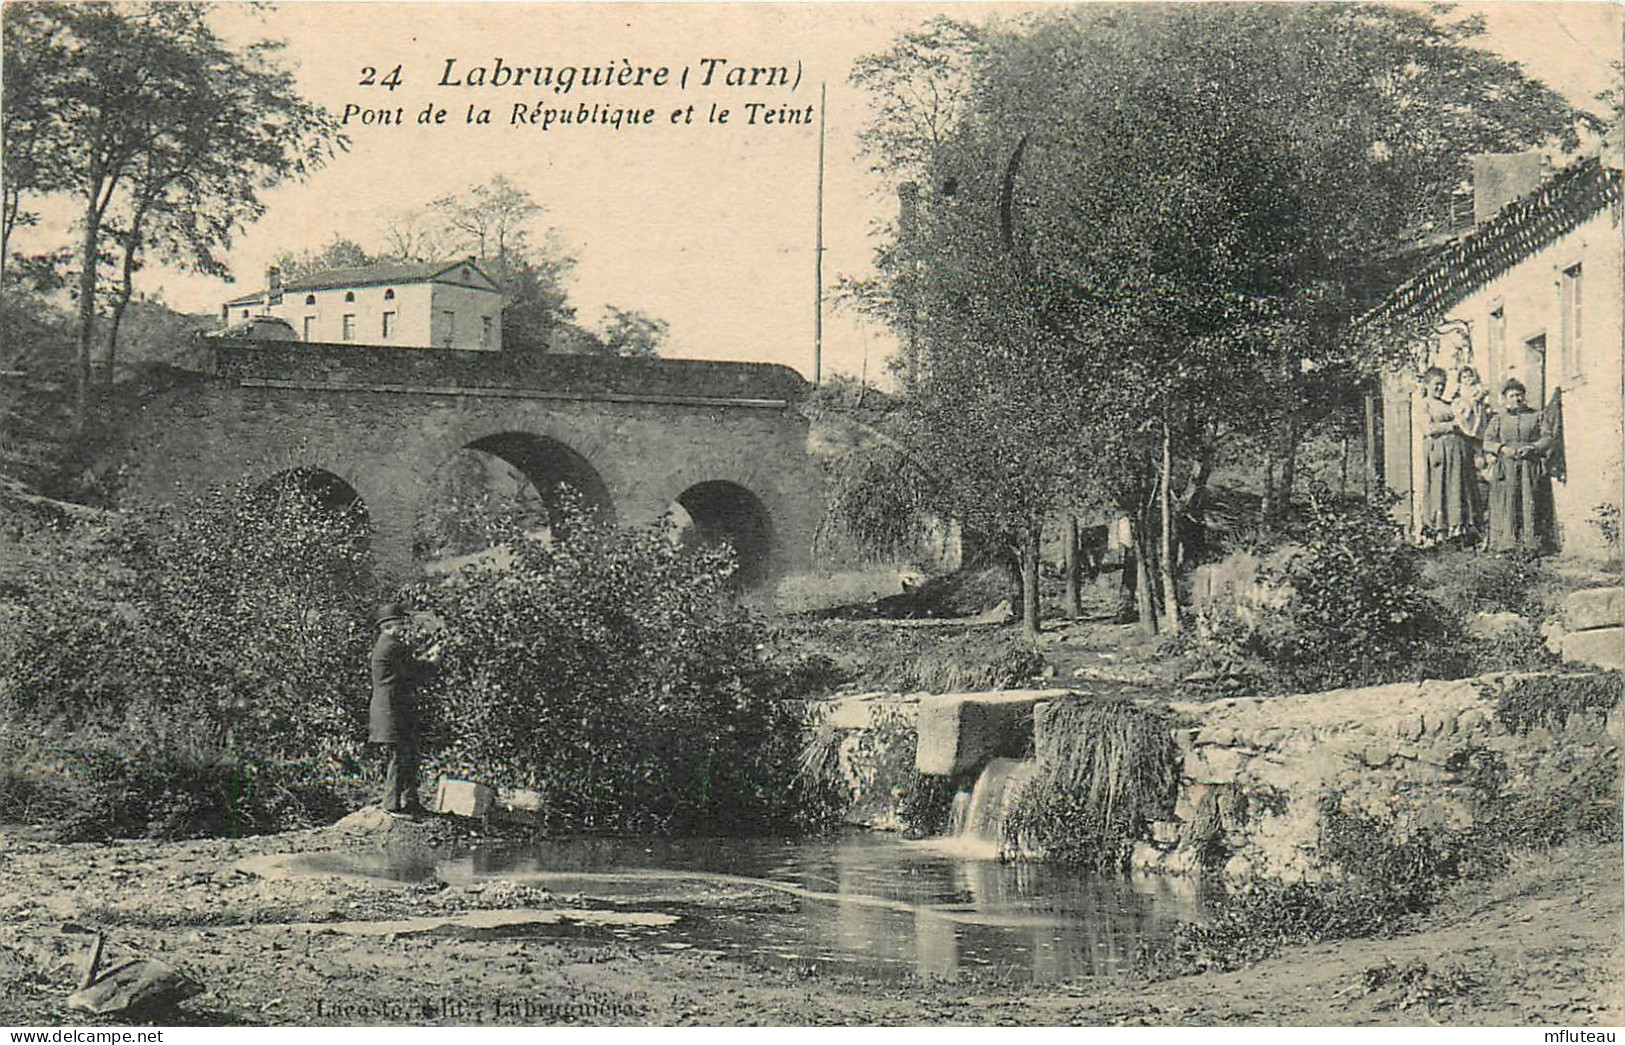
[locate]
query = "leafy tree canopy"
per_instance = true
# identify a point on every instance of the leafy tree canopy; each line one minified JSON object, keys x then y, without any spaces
{"x":1136,"y":225}
{"x":162,"y":133}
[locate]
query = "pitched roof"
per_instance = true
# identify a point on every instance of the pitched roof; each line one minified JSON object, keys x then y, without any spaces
{"x":1522,"y":229}
{"x":384,"y":272}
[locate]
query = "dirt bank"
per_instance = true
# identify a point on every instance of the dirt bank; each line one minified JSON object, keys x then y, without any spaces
{"x":1541,"y":945}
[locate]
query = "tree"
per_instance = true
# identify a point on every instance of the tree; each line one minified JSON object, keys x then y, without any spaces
{"x":338,"y":253}
{"x":1145,"y":224}
{"x":135,"y":108}
{"x":535,"y":307}
{"x":495,"y":223}
{"x":632,"y":334}
{"x":418,"y":234}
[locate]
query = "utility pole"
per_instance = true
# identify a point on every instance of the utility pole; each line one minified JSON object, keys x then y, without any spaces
{"x":818,"y":255}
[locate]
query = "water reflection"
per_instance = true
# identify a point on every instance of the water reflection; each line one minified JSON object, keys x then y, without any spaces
{"x":870,"y":903}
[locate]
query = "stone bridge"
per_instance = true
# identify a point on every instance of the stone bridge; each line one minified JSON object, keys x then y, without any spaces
{"x":633,"y":438}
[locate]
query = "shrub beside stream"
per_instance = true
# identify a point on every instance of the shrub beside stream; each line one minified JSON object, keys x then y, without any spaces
{"x":203,"y":670}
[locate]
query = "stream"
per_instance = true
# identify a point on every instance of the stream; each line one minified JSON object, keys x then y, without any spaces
{"x":870,"y":904}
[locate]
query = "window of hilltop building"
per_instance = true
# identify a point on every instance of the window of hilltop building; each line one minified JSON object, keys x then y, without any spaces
{"x":349,"y":326}
{"x":389,"y":295}
{"x":389,"y":325}
{"x":310,"y":328}
{"x":310,"y":299}
{"x":245,"y":313}
{"x":1572,"y":359}
{"x":349,"y":297}
{"x":448,"y":327}
{"x":485,"y":331}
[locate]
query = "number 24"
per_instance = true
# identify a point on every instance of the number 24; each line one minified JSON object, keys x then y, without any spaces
{"x":369,"y":77}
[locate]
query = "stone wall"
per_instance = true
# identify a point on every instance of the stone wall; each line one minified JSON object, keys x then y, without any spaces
{"x":1593,"y":628}
{"x":1257,"y":770}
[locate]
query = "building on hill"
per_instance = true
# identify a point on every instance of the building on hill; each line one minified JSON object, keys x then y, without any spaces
{"x":443,"y":304}
{"x":1533,"y":291}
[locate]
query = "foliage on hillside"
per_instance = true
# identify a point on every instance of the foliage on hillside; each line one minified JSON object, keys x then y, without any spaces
{"x":219,"y":642}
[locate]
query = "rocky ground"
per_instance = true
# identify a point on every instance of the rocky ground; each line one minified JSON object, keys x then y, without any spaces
{"x":1540,"y":946}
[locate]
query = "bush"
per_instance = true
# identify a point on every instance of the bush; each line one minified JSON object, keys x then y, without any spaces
{"x":612,"y":671}
{"x":1605,"y":517}
{"x":1115,"y":768}
{"x":1381,"y":876}
{"x":1549,"y":700}
{"x":244,"y":613}
{"x":946,"y":659}
{"x":1356,"y":614}
{"x":99,"y":787}
{"x":1465,"y":583}
{"x":1517,"y":647}
{"x":1351,"y":612}
{"x":234,"y":626}
{"x":1380,"y":882}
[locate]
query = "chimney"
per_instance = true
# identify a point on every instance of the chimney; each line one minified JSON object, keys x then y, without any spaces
{"x":273,"y":285}
{"x":1500,"y":178}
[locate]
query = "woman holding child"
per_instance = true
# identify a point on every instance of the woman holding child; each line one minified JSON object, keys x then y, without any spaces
{"x":1450,"y":501}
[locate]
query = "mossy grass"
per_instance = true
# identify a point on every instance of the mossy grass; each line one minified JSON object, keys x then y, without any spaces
{"x":1113,"y":767}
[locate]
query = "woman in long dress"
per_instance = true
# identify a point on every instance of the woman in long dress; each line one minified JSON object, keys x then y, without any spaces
{"x":1516,"y":441}
{"x":1450,"y":507}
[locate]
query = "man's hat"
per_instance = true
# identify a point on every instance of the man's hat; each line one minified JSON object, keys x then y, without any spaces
{"x":387,"y":612}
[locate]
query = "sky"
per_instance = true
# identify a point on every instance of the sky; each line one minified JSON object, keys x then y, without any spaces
{"x":710,"y":227}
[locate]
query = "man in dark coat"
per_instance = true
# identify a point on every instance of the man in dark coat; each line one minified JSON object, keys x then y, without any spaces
{"x":393,"y":713}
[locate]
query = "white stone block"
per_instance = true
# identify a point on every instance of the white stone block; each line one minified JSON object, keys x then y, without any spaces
{"x":1594,"y":608}
{"x":463,"y":798}
{"x":1601,"y":647}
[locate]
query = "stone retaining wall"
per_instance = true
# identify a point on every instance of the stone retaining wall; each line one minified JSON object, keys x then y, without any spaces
{"x":1257,"y":770}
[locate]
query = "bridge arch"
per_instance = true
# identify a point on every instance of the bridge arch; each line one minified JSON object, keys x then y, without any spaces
{"x":293,"y":491}
{"x":720,"y":511}
{"x":327,"y":491}
{"x":514,"y":471}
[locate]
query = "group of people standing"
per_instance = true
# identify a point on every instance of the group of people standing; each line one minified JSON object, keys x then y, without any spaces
{"x":1468,"y":443}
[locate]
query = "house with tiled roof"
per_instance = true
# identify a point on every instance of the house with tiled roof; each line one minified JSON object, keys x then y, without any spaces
{"x":443,"y":304}
{"x":1532,"y":291}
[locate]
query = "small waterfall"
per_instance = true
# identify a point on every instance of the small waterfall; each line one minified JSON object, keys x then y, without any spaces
{"x":975,"y":824}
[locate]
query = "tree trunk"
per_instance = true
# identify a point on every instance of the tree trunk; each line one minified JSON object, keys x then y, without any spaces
{"x":1029,"y":581}
{"x":90,"y":234}
{"x":126,"y":290}
{"x":1074,"y":596}
{"x":1142,"y":580}
{"x":1289,"y":463}
{"x":1018,"y":585}
{"x":11,"y":203}
{"x":1370,"y":446}
{"x":1343,"y":474}
{"x":1266,"y":510}
{"x":1170,"y":596}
